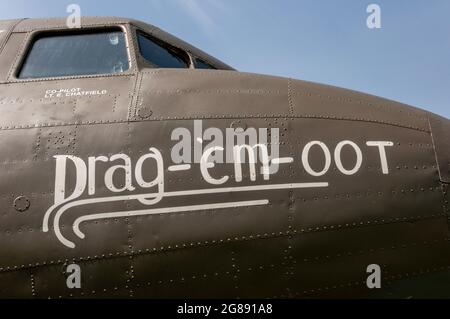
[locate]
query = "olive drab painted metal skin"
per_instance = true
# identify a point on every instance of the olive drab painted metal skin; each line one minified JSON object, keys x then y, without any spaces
{"x":361,"y":181}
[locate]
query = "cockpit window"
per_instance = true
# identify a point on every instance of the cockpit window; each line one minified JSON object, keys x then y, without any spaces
{"x":161,"y":55}
{"x":76,"y":54}
{"x":200,"y":64}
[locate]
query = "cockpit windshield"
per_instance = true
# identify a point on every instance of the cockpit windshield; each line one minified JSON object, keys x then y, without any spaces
{"x":76,"y":54}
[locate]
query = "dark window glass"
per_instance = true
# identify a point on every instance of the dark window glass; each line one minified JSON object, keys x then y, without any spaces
{"x":76,"y":54}
{"x":162,"y":56}
{"x":200,"y":64}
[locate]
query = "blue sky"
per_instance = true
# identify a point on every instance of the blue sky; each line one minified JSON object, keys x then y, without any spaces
{"x":325,"y":41}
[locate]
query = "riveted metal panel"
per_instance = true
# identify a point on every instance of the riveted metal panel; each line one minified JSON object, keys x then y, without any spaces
{"x":440,"y":130}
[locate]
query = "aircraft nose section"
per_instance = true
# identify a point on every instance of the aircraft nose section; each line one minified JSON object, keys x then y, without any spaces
{"x":440,"y":131}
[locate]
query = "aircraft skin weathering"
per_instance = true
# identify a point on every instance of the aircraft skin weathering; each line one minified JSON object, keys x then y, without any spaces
{"x":87,"y":178}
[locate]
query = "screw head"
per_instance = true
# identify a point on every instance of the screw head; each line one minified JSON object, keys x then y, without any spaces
{"x":21,"y":203}
{"x":239,"y":125}
{"x":145,"y":113}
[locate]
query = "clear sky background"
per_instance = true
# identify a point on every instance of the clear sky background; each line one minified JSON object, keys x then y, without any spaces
{"x":325,"y":41}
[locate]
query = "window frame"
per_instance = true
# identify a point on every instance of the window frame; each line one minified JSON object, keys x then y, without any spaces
{"x":33,"y":36}
{"x":196,"y":59}
{"x":164,"y":44}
